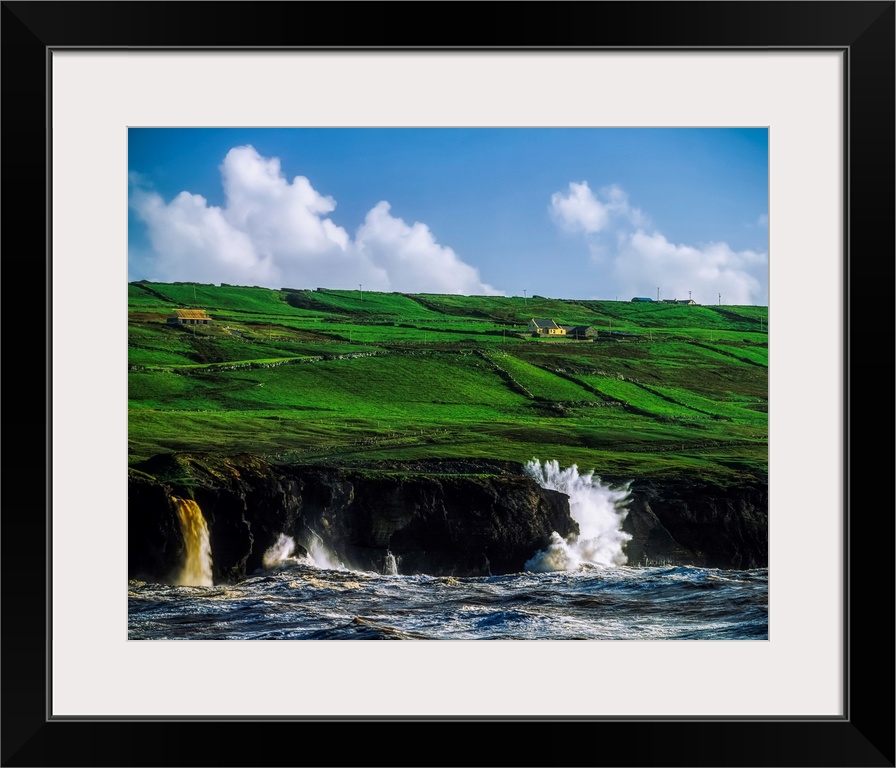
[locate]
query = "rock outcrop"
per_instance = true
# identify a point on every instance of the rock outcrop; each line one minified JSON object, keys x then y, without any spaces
{"x":696,"y":523}
{"x":438,"y":524}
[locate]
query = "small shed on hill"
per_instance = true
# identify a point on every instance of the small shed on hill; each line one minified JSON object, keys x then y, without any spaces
{"x":543,"y":326}
{"x":642,"y":298}
{"x":189,"y":317}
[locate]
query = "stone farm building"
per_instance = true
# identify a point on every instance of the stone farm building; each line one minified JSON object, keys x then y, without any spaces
{"x":541,"y":326}
{"x":189,"y":317}
{"x":580,"y":331}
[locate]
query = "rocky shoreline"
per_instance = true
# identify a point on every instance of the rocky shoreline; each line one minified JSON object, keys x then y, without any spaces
{"x":463,"y":518}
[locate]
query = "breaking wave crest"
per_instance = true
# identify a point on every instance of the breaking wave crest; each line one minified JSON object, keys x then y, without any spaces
{"x":281,"y":552}
{"x":598,"y":509}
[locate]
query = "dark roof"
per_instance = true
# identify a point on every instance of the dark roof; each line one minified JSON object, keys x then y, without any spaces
{"x":641,"y":298}
{"x":577,"y":328}
{"x":544,"y":322}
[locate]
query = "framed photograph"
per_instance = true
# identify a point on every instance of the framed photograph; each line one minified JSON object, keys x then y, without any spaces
{"x":815,"y":79}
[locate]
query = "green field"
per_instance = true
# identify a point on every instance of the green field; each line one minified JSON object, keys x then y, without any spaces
{"x":360,"y":377}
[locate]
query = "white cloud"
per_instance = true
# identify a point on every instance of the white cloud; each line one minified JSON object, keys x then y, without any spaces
{"x":580,"y":210}
{"x":191,"y":240}
{"x":411,"y":256}
{"x":640,"y":258}
{"x":275,"y":233}
{"x":683,"y":271}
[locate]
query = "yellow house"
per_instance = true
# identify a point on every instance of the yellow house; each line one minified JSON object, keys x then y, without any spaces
{"x":189,"y":317}
{"x":544,"y":327}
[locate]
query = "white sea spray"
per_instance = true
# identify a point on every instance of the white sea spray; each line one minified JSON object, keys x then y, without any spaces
{"x":279,"y":552}
{"x":599,"y":511}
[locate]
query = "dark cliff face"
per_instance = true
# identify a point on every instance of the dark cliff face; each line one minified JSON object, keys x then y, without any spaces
{"x":430,"y":521}
{"x":460,"y":526}
{"x":442,"y":525}
{"x":693,"y":523}
{"x":245,"y":501}
{"x":155,"y":544}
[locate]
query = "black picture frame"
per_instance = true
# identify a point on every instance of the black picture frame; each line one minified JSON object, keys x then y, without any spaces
{"x":863,"y":736}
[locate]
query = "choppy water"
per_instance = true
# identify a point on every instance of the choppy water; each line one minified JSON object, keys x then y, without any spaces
{"x":300,"y":601}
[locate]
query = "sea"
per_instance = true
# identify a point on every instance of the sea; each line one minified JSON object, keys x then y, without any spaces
{"x":580,"y":588}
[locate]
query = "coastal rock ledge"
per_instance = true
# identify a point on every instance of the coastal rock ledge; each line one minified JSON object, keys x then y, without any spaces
{"x":438,"y":518}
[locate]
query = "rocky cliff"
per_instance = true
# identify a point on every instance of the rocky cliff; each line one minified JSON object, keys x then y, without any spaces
{"x":442,"y":519}
{"x":696,"y":523}
{"x":440,"y":524}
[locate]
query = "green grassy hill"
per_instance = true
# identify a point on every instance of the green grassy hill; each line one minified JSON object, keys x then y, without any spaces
{"x":359,"y":377}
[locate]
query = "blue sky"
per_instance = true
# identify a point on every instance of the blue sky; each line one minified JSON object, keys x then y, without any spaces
{"x":588,"y":213}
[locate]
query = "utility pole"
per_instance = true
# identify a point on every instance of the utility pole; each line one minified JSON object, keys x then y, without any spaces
{"x":361,"y":292}
{"x":657,"y":293}
{"x":720,"y":299}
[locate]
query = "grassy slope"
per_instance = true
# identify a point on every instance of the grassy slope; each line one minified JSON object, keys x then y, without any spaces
{"x":341,"y":376}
